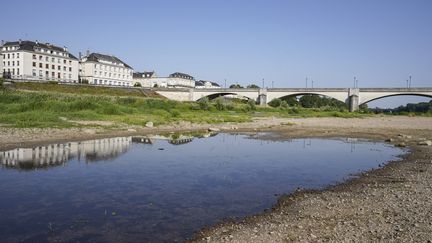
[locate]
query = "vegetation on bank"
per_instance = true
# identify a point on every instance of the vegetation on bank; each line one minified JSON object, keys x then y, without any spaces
{"x":419,"y":109}
{"x":52,"y":105}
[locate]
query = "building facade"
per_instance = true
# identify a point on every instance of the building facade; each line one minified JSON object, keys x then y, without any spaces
{"x":175,"y":80}
{"x":34,"y":61}
{"x":203,"y":84}
{"x":101,"y":69}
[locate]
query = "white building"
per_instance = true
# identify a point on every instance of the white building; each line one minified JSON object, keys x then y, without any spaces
{"x":175,"y":80}
{"x":103,"y":69}
{"x":203,"y":84}
{"x":28,"y":60}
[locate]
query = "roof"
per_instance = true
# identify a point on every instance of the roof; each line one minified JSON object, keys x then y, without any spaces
{"x":31,"y":45}
{"x":96,"y":57}
{"x":143,"y":74}
{"x":199,"y":83}
{"x":183,"y":75}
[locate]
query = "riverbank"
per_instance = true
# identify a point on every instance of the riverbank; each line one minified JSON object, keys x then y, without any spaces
{"x":388,"y":204}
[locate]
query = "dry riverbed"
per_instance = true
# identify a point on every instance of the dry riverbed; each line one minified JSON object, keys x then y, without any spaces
{"x":393,"y":203}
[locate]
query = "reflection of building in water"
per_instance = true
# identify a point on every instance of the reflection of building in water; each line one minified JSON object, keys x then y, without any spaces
{"x":58,"y":154}
{"x":180,"y":141}
{"x":144,"y":140}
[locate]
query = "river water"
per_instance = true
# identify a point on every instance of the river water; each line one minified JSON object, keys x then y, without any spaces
{"x":163,"y":188}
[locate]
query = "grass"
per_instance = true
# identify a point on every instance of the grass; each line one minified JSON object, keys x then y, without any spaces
{"x":53,"y":105}
{"x":82,"y":89}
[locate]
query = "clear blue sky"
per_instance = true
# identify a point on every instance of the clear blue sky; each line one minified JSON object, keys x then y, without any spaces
{"x":380,"y":42}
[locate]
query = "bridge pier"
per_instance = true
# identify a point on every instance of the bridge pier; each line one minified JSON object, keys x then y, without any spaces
{"x":262,"y":97}
{"x":353,"y":99}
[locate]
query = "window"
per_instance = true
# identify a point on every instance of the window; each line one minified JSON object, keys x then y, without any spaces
{"x":34,"y":72}
{"x":47,"y":66}
{"x":46,"y":74}
{"x":64,"y":68}
{"x":17,"y":63}
{"x":53,"y":67}
{"x":64,"y":61}
{"x":47,"y":59}
{"x":70,"y":76}
{"x":17,"y":55}
{"x":52,"y":59}
{"x":70,"y":69}
{"x":70,"y":62}
{"x":95,"y":81}
{"x":40,"y":65}
{"x":13,"y":55}
{"x":40,"y":73}
{"x":53,"y":74}
{"x":40,"y":58}
{"x":59,"y":68}
{"x":34,"y":64}
{"x":59,"y":60}
{"x":34,"y":56}
{"x":8,"y":55}
{"x":18,"y":71}
{"x":95,"y":72}
{"x":13,"y":63}
{"x":58,"y":75}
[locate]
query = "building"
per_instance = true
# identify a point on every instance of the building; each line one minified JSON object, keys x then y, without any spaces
{"x":175,"y":80}
{"x":101,"y":69}
{"x":202,"y":84}
{"x":34,"y":61}
{"x":144,"y":78}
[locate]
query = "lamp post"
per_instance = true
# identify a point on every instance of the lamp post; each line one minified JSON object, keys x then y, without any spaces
{"x":306,"y":82}
{"x":354,"y":81}
{"x":409,"y":86}
{"x":272,"y":84}
{"x":312,"y":84}
{"x":225,"y":83}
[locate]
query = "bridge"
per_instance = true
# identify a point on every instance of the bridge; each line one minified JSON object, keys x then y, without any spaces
{"x":353,"y":97}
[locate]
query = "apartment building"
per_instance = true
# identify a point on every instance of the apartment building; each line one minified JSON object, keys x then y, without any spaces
{"x":101,"y":69}
{"x":34,"y":61}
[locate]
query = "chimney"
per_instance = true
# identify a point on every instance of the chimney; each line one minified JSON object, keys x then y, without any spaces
{"x":79,"y":55}
{"x":37,"y":42}
{"x":20,"y":41}
{"x":65,"y":48}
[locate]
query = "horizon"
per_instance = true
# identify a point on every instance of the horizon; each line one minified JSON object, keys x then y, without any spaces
{"x":283,"y":42}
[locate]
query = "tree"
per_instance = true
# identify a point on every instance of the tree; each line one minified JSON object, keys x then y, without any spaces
{"x":137,"y":84}
{"x":275,"y":102}
{"x":235,"y":86}
{"x":252,"y":86}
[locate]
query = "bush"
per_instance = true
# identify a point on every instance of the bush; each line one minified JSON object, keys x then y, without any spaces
{"x":137,"y":84}
{"x":204,"y":103}
{"x":220,"y":106}
{"x":1,"y":82}
{"x":275,"y":102}
{"x":53,"y":82}
{"x":284,"y":104}
{"x":251,"y":105}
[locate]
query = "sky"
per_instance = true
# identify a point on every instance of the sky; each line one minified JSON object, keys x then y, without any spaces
{"x":381,"y":43}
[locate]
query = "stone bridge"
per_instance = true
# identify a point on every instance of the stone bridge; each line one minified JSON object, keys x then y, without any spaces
{"x":354,"y":97}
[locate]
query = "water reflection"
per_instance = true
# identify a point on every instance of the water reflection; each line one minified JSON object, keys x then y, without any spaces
{"x":60,"y":153}
{"x":162,"y":188}
{"x":90,"y":150}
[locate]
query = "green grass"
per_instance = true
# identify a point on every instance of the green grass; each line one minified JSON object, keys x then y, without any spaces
{"x":55,"y":106}
{"x":82,"y":89}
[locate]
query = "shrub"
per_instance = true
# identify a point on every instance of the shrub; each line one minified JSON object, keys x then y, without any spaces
{"x":204,"y":103}
{"x":137,"y":84}
{"x":275,"y":102}
{"x":251,"y":105}
{"x":220,"y":106}
{"x":283,"y":104}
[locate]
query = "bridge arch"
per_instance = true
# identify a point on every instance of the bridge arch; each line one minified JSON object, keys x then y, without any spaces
{"x":214,"y":95}
{"x":342,"y":98}
{"x":369,"y":98}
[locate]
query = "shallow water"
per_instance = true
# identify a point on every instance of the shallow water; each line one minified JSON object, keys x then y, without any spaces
{"x":152,"y":189}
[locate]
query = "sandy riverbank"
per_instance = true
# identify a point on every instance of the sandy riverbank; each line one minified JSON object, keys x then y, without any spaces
{"x":389,"y":204}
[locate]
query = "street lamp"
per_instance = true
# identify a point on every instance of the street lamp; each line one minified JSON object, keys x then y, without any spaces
{"x":409,"y":86}
{"x":225,"y":83}
{"x":306,"y":82}
{"x":312,"y":83}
